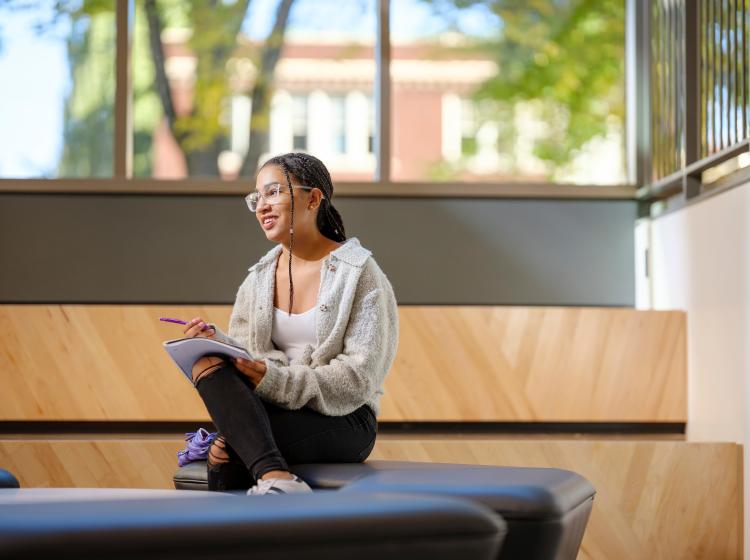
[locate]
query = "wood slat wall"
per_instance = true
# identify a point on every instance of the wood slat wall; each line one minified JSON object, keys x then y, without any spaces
{"x":105,"y":362}
{"x":655,"y":499}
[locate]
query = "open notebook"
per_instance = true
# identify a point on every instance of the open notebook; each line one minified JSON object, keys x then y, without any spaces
{"x":186,"y":351}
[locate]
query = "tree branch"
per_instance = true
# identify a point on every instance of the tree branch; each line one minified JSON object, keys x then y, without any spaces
{"x":259,"y":119}
{"x":157,"y":51}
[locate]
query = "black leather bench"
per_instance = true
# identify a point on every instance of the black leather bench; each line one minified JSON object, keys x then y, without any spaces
{"x":546,"y":510}
{"x":325,"y":526}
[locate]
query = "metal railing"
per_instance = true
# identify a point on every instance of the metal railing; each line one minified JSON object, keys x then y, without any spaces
{"x":699,"y":92}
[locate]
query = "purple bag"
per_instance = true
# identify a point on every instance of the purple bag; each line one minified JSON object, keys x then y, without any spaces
{"x":197,"y":446}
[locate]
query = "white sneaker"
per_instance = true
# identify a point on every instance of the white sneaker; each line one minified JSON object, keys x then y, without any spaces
{"x":280,"y":486}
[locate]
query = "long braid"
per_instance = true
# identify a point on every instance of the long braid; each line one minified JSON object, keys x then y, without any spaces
{"x":291,"y":238}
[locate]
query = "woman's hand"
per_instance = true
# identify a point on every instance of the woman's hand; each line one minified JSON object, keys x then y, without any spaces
{"x":198,"y":327}
{"x":254,"y":369}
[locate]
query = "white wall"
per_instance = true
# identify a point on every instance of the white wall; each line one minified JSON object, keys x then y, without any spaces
{"x":700,"y":262}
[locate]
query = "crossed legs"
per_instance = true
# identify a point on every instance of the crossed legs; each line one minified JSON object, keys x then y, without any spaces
{"x":241,"y":418}
{"x":257,"y":437}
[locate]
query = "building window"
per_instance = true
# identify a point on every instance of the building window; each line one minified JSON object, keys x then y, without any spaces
{"x":299,"y":122}
{"x":338,"y":123}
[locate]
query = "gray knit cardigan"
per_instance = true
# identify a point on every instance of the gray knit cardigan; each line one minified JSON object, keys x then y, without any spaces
{"x":356,"y":331}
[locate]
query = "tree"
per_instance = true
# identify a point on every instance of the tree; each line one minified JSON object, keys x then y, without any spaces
{"x":201,"y":136}
{"x":566,"y":54}
{"x":216,"y":26}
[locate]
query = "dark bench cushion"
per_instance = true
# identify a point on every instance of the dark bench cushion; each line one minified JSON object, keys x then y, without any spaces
{"x":325,"y":525}
{"x":546,"y":510}
{"x":519,"y":493}
{"x":192,"y":476}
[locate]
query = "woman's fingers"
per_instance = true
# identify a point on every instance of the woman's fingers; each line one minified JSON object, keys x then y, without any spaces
{"x":191,"y":324}
{"x":198,"y":327}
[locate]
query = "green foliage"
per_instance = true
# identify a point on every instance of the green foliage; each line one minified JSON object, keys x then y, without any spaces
{"x":567,"y":54}
{"x":213,"y":40}
{"x":89,"y":108}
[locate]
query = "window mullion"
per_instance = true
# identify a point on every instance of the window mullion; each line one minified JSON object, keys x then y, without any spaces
{"x":122,"y":145}
{"x":383,"y":94}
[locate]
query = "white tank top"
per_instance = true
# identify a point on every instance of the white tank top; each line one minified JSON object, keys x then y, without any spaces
{"x":291,"y":333}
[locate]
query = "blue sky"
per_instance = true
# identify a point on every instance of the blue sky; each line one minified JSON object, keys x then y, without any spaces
{"x":34,"y":76}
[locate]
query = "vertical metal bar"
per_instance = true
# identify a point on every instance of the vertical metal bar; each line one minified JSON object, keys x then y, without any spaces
{"x":657,"y":86}
{"x":710,"y":140}
{"x":711,"y":77}
{"x":633,"y":145}
{"x":718,"y":100}
{"x":664,"y":100}
{"x":383,"y":94}
{"x":723,"y":75}
{"x":669,"y":83}
{"x":746,"y":65}
{"x":667,"y":130}
{"x":654,"y":84}
{"x":691,"y":41}
{"x":680,"y":77}
{"x":728,"y":79}
{"x":730,"y":74}
{"x":674,"y":82}
{"x":122,"y":144}
{"x":746,"y":62}
{"x":732,"y":94}
{"x":703,"y":80}
{"x":742,"y":91}
{"x":735,"y":65}
{"x":719,"y":75}
{"x":718,"y":62}
{"x":677,"y":84}
{"x":645,"y":112}
{"x":736,"y":119}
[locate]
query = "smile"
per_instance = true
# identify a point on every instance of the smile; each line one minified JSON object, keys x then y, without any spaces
{"x":269,"y":221}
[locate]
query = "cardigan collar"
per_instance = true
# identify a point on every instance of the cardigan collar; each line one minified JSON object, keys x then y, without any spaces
{"x":350,"y":252}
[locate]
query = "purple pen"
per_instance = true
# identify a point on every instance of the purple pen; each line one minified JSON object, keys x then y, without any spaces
{"x":170,"y":320}
{"x":179,"y":321}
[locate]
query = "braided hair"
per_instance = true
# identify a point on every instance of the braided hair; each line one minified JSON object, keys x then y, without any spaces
{"x":310,"y":171}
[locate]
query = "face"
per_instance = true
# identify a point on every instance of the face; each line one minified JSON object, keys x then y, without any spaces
{"x":276,"y":219}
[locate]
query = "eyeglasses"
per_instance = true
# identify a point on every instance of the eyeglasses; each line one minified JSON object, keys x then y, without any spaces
{"x":273,"y":194}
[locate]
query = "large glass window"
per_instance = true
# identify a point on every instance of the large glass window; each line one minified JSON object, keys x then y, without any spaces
{"x":221,"y":86}
{"x":56,"y":89}
{"x":481,"y":91}
{"x":498,"y":91}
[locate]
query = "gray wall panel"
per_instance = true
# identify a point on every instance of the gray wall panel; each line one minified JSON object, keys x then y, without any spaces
{"x":196,"y":249}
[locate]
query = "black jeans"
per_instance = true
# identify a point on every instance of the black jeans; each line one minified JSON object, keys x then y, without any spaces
{"x":261,"y":437}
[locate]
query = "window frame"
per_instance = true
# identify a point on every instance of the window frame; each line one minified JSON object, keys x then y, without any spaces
{"x":123,"y":182}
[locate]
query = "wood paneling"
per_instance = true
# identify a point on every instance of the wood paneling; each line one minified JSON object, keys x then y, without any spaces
{"x":655,"y":499}
{"x":70,"y":362}
{"x":538,"y":364}
{"x":97,"y":362}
